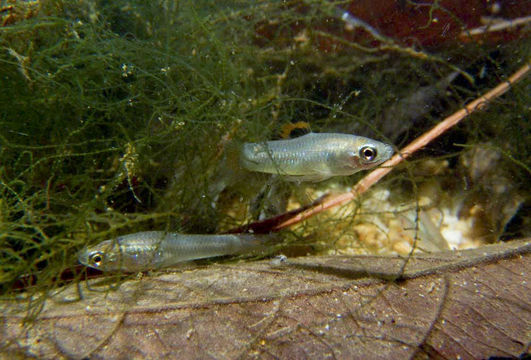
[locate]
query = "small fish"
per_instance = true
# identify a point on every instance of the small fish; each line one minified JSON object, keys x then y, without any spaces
{"x":157,"y":249}
{"x":315,"y":156}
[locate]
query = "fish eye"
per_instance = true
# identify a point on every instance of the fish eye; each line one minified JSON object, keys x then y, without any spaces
{"x":368,"y":153}
{"x":96,"y":258}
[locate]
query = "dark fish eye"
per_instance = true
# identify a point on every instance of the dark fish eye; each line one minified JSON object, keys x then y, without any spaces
{"x":368,"y":153}
{"x":96,"y":258}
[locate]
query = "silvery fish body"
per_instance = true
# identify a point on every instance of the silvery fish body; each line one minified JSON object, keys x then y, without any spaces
{"x":315,"y":156}
{"x":157,"y":249}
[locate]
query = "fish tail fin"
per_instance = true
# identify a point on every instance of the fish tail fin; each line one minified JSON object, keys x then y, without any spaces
{"x":256,"y":242}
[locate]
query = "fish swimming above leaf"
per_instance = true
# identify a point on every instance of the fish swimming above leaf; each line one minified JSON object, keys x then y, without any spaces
{"x":315,"y":156}
{"x":151,"y":250}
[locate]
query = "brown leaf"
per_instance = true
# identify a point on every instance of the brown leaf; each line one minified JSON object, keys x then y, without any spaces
{"x":469,"y":304}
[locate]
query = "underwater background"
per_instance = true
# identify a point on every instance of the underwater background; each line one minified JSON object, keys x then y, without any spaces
{"x":125,"y":116}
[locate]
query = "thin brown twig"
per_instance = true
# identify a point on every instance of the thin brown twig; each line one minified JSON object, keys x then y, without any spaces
{"x":497,"y":25}
{"x":295,"y":216}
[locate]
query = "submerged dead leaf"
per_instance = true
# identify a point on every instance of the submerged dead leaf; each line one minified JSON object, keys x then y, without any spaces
{"x":468,"y":304}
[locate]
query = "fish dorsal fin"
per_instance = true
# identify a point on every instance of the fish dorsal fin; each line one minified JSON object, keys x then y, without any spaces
{"x":294,"y":130}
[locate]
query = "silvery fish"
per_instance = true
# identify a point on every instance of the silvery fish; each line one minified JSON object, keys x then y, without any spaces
{"x":158,"y":249}
{"x":315,"y":156}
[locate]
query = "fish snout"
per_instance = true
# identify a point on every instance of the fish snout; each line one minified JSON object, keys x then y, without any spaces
{"x":388,"y":152}
{"x":82,"y":256}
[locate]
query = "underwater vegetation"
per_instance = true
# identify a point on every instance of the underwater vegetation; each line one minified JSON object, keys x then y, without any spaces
{"x":124,"y":116}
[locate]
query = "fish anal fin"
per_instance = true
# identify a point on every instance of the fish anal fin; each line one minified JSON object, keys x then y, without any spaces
{"x":315,"y":177}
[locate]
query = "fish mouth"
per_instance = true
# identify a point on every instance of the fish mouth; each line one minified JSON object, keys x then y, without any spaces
{"x":389,"y":151}
{"x":82,"y":256}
